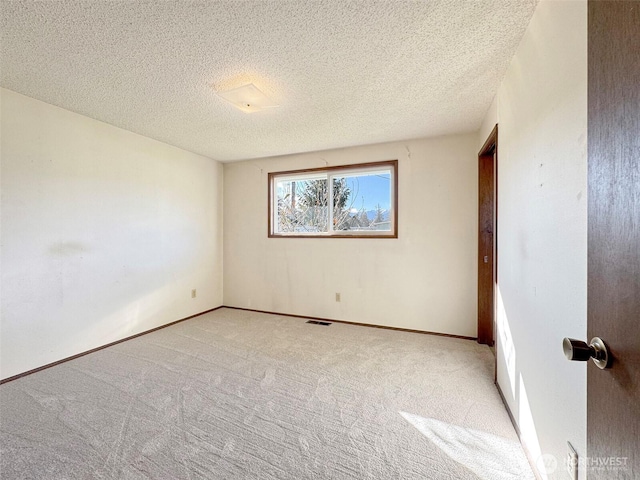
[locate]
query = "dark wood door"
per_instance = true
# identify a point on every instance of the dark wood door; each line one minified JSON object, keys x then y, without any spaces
{"x":613,"y":402}
{"x":487,"y":165}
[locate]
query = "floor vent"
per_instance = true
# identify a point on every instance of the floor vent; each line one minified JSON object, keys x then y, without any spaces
{"x":315,"y":322}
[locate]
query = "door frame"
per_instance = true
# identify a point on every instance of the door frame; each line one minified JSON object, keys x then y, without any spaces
{"x":487,"y":237}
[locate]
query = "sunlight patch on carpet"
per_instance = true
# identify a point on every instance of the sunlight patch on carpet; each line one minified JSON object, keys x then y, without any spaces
{"x":489,"y":456}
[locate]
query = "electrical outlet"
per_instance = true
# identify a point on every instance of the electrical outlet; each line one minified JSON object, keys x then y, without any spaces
{"x":337,"y":297}
{"x":572,"y":462}
{"x":193,"y":293}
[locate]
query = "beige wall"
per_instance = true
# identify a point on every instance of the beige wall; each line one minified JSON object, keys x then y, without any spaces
{"x":541,"y":109}
{"x":425,"y":279}
{"x":104,"y":233}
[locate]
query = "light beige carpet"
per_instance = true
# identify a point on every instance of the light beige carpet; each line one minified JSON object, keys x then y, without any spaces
{"x":233,"y":395}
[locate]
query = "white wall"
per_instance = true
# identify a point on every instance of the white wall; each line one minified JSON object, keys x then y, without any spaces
{"x":104,"y":233}
{"x":424,"y":280}
{"x":542,"y":229}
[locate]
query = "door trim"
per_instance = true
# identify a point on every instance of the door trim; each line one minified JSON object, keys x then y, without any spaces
{"x":487,"y":237}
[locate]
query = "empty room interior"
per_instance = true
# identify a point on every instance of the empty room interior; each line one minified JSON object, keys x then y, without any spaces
{"x":286,"y":240}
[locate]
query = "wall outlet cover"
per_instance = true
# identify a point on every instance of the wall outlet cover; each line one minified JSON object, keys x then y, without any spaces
{"x":572,"y":462}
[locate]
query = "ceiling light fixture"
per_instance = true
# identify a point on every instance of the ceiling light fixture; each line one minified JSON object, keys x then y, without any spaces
{"x":248,"y":98}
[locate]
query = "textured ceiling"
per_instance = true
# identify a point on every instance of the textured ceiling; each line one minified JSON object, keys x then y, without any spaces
{"x":343,"y":72}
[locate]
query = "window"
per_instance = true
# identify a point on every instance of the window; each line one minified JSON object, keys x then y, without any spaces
{"x":347,"y":201}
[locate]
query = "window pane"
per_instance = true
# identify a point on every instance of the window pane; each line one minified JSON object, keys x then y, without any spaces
{"x":302,"y":205}
{"x":362,"y":202}
{"x":337,"y":201}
